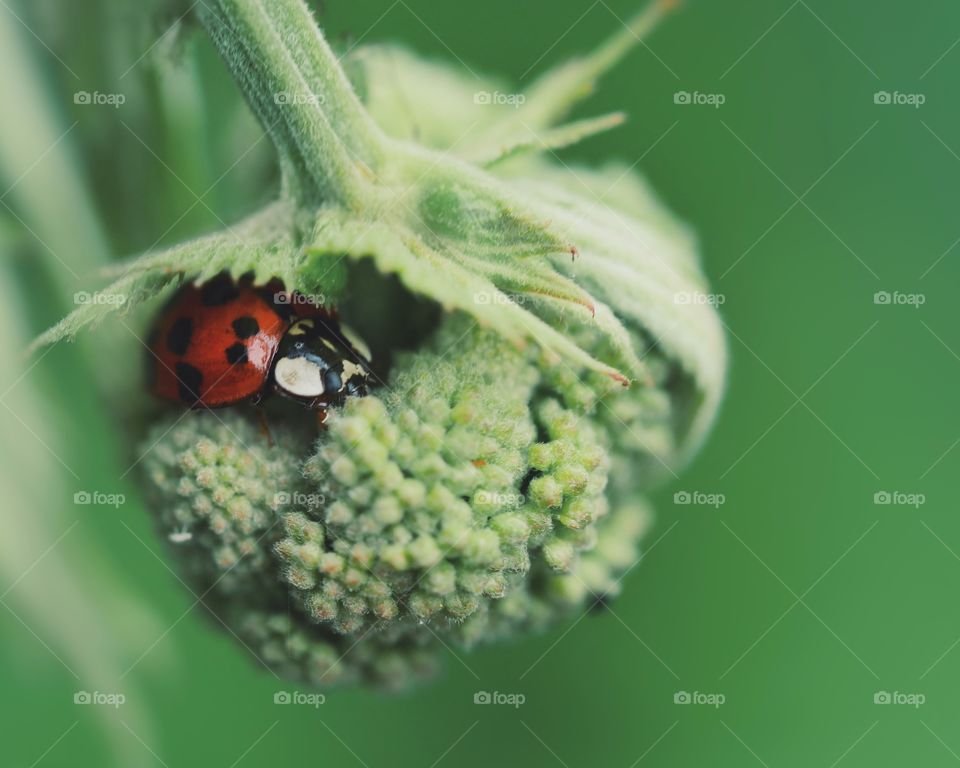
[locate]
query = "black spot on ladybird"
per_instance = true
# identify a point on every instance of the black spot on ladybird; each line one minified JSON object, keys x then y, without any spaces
{"x":189,"y":379}
{"x":245,"y":327}
{"x":277,"y":298}
{"x":236,"y":354}
{"x":219,"y":291}
{"x":179,"y":335}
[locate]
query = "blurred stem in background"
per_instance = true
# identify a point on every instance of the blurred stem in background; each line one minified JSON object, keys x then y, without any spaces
{"x":64,"y":593}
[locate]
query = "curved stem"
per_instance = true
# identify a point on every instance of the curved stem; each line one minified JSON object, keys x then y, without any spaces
{"x":298,"y":90}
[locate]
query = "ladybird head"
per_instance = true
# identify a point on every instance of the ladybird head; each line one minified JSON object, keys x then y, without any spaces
{"x":317,"y":365}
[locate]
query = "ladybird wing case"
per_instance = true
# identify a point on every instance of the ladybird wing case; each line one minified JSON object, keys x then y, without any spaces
{"x":214,"y":345}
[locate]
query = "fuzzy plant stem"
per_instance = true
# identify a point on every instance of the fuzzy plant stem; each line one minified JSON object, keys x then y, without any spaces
{"x":329,"y":146}
{"x":72,"y":601}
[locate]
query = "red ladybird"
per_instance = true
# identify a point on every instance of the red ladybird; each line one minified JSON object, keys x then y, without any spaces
{"x":229,"y":341}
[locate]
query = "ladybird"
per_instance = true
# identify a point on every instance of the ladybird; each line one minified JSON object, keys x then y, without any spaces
{"x":229,"y":341}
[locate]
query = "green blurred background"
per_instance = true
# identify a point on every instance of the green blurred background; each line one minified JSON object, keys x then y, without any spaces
{"x":799,"y":598}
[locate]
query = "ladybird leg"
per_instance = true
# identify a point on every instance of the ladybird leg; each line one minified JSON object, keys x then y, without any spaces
{"x":264,"y":426}
{"x":322,"y":419}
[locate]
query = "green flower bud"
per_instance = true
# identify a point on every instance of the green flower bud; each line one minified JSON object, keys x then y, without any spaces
{"x":559,"y":553}
{"x":490,"y":485}
{"x":545,"y":491}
